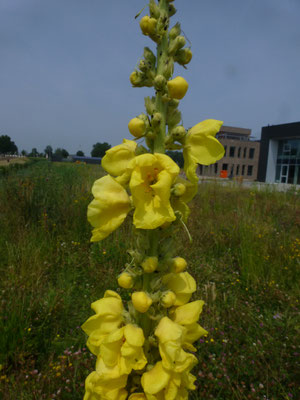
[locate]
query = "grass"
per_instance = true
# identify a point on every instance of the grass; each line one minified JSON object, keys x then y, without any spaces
{"x":245,"y":256}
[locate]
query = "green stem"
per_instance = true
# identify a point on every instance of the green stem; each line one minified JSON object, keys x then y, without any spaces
{"x":161,"y":107}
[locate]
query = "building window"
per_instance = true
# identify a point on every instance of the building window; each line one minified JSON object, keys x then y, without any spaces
{"x":216,"y":168}
{"x":251,"y":152}
{"x":245,"y":152}
{"x":225,"y":167}
{"x":231,"y":151}
{"x":250,"y":170}
{"x":225,"y":148}
{"x":243,"y":170}
{"x":239,"y":152}
{"x":237,"y":169}
{"x":200,"y":169}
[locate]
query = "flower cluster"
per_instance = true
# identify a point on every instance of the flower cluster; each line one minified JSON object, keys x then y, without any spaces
{"x":144,"y":347}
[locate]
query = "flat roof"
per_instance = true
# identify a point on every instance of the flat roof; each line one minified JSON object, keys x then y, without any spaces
{"x":235,"y":130}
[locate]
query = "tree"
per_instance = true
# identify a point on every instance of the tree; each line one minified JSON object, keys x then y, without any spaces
{"x":80,"y":153}
{"x":33,"y":153}
{"x":48,"y":151}
{"x":61,"y":153}
{"x":7,"y":146}
{"x":99,"y":149}
{"x":176,"y":156}
{"x":24,"y":153}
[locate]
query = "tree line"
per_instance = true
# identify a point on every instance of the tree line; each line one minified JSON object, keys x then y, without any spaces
{"x":7,"y":146}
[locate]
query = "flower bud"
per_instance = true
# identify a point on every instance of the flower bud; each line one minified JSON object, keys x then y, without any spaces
{"x":143,"y":66}
{"x":141,"y":301}
{"x":179,"y":189}
{"x":178,"y":264}
{"x":156,"y":120}
{"x":125,"y":280}
{"x":151,"y":135}
{"x":150,"y":264}
{"x":172,"y":10}
{"x":183,"y":56}
{"x":168,"y":299}
{"x":154,"y":9}
{"x":149,"y":56}
{"x":148,"y":25}
{"x":177,"y":87}
{"x":176,"y":44}
{"x":178,"y":132}
{"x":150,"y":105}
{"x":136,"y":79}
{"x":159,"y":82}
{"x":175,"y":31}
{"x":168,"y":68}
{"x":136,"y":127}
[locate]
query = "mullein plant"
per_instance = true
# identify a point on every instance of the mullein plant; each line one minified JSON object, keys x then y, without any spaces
{"x":144,"y":347}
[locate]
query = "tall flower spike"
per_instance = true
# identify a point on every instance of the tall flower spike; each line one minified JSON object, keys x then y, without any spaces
{"x":144,"y":346}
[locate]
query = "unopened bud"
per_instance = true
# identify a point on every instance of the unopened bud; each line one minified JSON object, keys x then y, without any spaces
{"x":149,"y":56}
{"x":148,"y":25}
{"x":168,"y":299}
{"x":177,"y":87}
{"x":136,"y":79}
{"x":159,"y":82}
{"x":178,"y":264}
{"x":156,"y":120}
{"x":125,"y":280}
{"x":175,"y":31}
{"x":136,"y":127}
{"x":151,"y":135}
{"x":172,"y":10}
{"x":141,"y":301}
{"x":179,"y":189}
{"x":168,"y":68}
{"x":183,"y":56}
{"x":154,"y":9}
{"x":176,"y":44}
{"x":179,"y":132}
{"x":150,"y":264}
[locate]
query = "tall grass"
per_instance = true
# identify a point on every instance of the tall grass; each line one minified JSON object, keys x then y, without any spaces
{"x":245,"y":256}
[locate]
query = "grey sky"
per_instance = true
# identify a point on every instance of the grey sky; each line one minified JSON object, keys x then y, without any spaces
{"x":65,"y":66}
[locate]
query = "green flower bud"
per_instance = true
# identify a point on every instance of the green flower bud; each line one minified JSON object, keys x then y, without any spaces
{"x":156,"y":120}
{"x":159,"y":82}
{"x":154,"y":9}
{"x":172,"y":10}
{"x":173,"y":103}
{"x":183,"y":56}
{"x":173,"y":118}
{"x":149,"y":56}
{"x":143,"y":66}
{"x":151,"y":135}
{"x":150,"y":105}
{"x":175,"y":31}
{"x":176,"y":44}
{"x":178,"y":132}
{"x":168,"y":68}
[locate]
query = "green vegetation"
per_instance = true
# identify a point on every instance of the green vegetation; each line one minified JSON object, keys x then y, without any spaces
{"x":245,"y":255}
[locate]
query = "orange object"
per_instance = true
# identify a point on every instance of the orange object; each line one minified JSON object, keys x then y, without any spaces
{"x":224,"y":173}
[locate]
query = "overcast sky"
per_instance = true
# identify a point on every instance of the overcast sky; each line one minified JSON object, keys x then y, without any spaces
{"x":65,"y":66}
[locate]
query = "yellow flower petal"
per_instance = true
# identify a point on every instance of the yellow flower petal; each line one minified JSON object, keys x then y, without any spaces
{"x":201,"y":147}
{"x":134,"y":335}
{"x":156,"y":379}
{"x":188,"y":313}
{"x":182,"y":284}
{"x":109,"y":208}
{"x":117,"y":158}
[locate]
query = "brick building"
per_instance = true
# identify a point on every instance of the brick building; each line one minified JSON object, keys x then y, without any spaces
{"x":241,"y":155}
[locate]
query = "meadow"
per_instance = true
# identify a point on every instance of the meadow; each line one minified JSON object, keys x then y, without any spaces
{"x":245,"y":256}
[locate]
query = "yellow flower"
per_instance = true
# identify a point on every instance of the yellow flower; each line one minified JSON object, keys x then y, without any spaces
{"x":151,"y":180}
{"x":150,"y":264}
{"x":188,"y":315}
{"x":116,"y":159}
{"x":141,"y":301}
{"x":125,"y":280}
{"x":177,"y":87}
{"x":168,"y":299}
{"x":109,"y":208}
{"x":107,"y":319}
{"x":171,"y":338}
{"x":106,"y":384}
{"x":181,"y":197}
{"x":182,"y":284}
{"x":201,"y":147}
{"x":137,"y":396}
{"x":137,"y":127}
{"x":124,"y":348}
{"x":162,"y":384}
